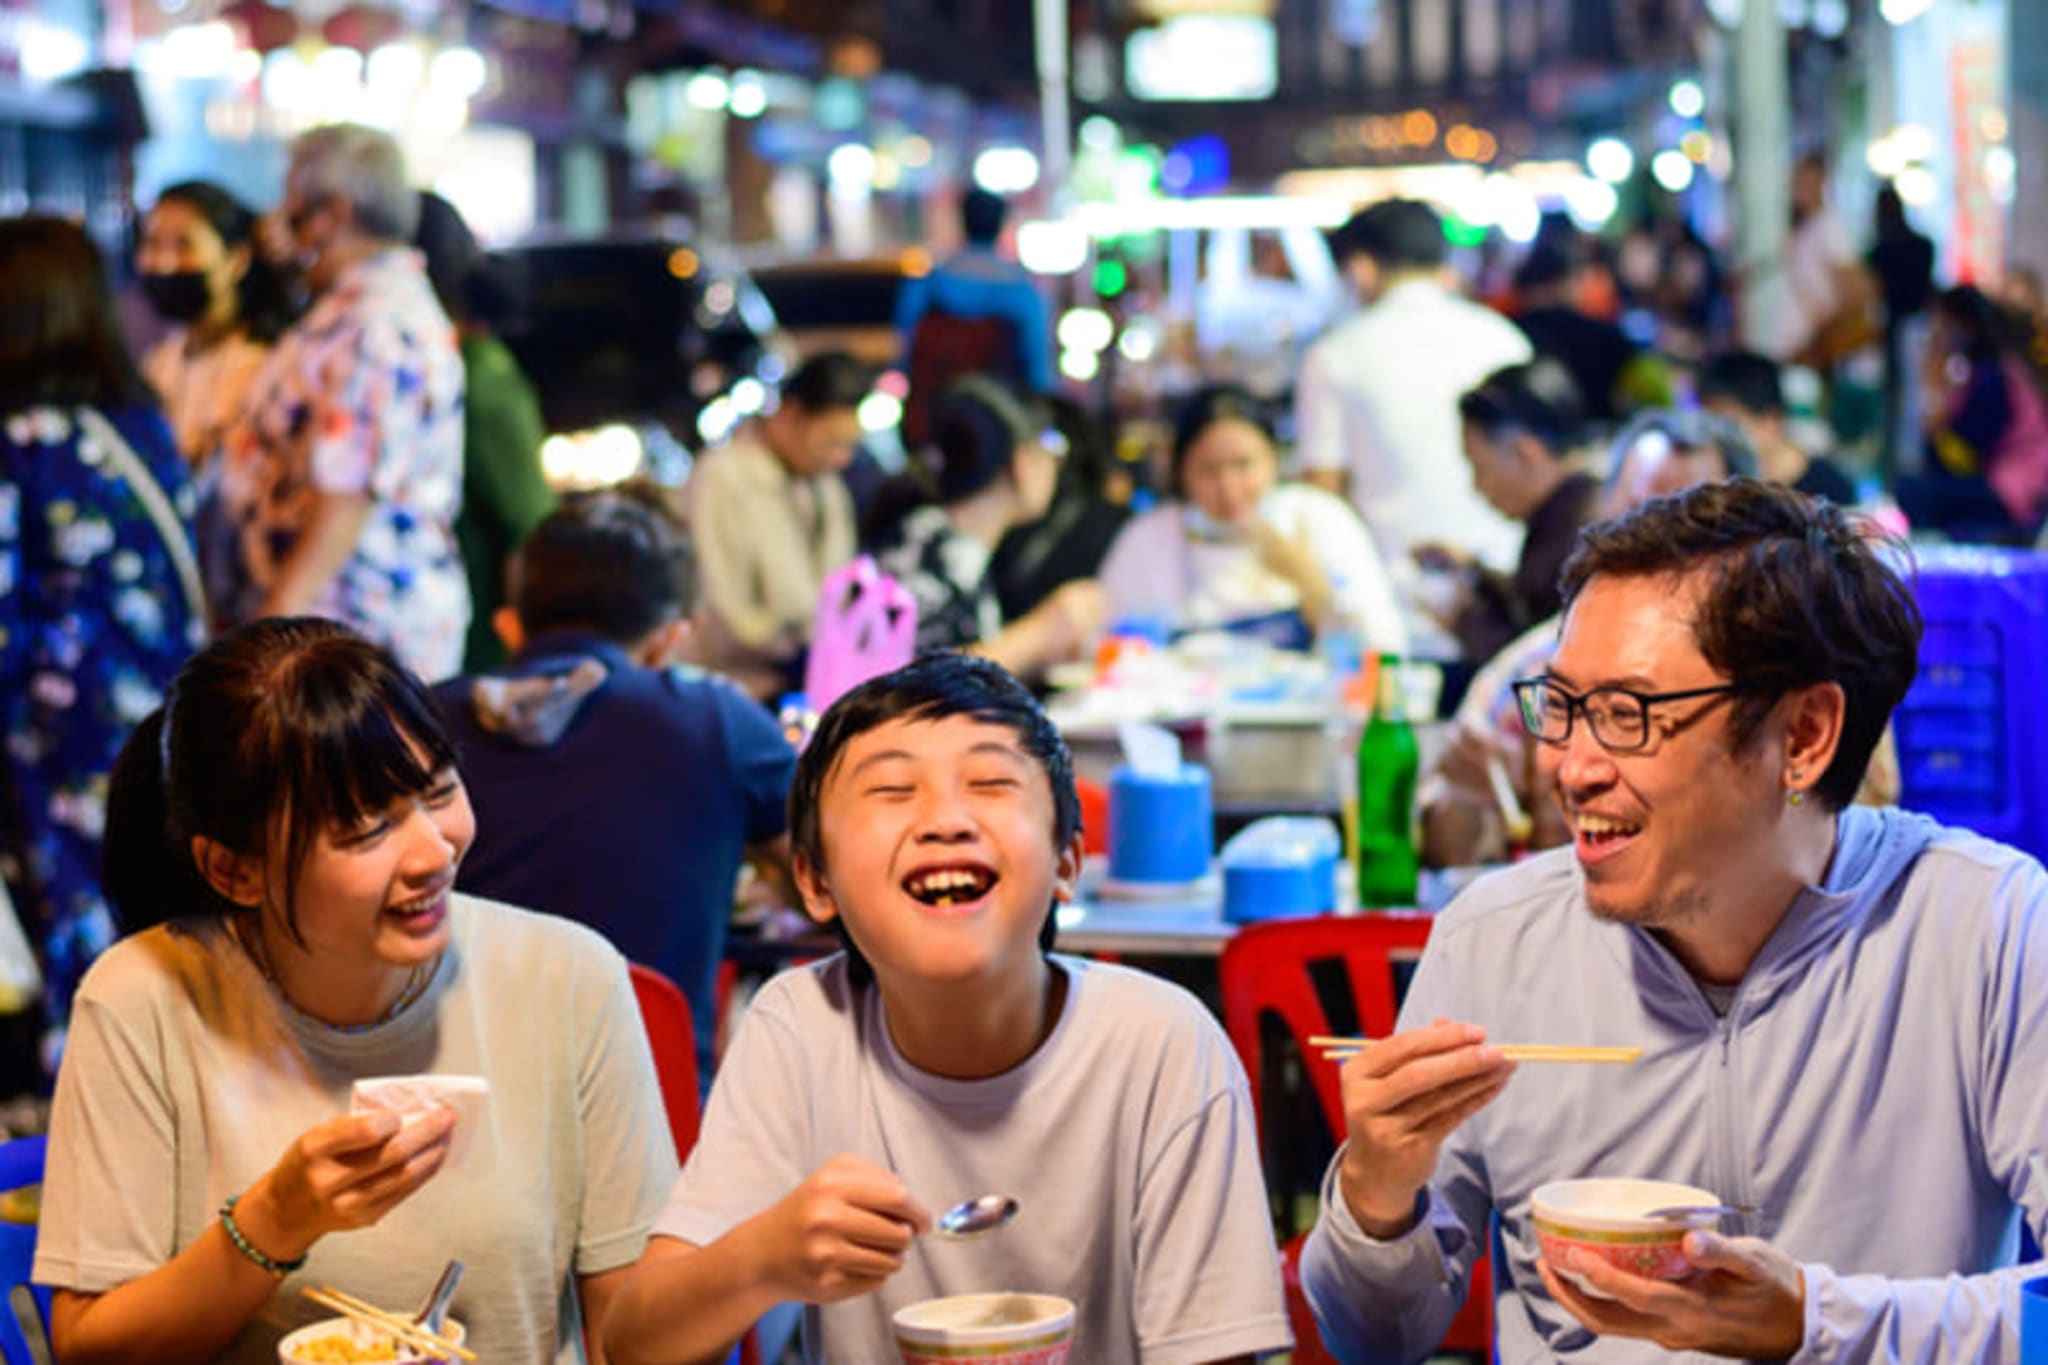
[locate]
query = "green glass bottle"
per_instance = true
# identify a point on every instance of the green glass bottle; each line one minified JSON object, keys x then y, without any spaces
{"x":1387,"y":765}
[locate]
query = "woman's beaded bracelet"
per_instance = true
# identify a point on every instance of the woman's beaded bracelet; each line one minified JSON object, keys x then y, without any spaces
{"x":248,"y":1248}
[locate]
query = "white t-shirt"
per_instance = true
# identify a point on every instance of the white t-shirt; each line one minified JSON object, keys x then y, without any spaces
{"x":1160,"y":566}
{"x":1378,"y":397}
{"x":185,"y":1078}
{"x":1126,"y":1138}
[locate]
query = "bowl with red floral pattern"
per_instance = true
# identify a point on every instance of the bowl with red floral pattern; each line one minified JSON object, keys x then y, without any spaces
{"x":988,"y":1329}
{"x":1605,"y":1219}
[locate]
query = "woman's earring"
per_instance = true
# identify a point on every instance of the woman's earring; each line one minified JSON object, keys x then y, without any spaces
{"x":1796,"y":796}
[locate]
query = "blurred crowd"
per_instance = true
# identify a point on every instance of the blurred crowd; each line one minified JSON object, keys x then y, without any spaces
{"x":331,"y":428}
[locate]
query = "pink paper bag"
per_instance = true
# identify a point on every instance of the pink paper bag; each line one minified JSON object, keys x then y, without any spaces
{"x":866,"y":626}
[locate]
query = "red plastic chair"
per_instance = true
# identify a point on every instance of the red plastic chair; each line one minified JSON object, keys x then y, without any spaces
{"x":672,"y":1035}
{"x":1094,"y":815}
{"x":1265,"y":971}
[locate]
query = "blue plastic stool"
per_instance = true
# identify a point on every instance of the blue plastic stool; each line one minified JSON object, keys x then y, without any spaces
{"x":1971,"y":740}
{"x":21,"y":1164}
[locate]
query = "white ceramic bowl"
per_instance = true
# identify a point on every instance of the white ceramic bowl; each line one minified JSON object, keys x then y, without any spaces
{"x":1001,"y":1329}
{"x":346,"y":1335}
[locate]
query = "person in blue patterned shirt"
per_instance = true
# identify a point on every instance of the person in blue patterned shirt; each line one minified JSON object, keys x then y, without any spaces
{"x":99,"y":600}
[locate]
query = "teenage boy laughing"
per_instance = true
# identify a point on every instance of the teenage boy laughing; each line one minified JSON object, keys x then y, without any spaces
{"x":949,"y":1053}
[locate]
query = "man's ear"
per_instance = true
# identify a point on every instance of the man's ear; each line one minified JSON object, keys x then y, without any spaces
{"x":667,"y":644}
{"x":510,"y":629}
{"x":1814,"y":717}
{"x":816,"y":891}
{"x":235,"y":876}
{"x":1067,"y":871}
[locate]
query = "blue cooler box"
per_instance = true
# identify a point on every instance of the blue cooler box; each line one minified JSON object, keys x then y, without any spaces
{"x":1972,"y":732}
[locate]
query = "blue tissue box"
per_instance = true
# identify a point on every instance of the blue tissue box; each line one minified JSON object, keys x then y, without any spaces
{"x":1280,"y":867}
{"x":1161,"y":829}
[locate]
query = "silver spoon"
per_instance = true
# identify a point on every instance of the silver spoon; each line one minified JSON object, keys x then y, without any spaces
{"x":435,"y":1313}
{"x":1683,"y":1211}
{"x":973,"y":1217}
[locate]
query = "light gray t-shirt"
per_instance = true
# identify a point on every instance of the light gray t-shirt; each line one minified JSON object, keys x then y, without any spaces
{"x":1127,"y":1139}
{"x":185,"y":1078}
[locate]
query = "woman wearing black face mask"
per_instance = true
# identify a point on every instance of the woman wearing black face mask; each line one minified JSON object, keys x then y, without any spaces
{"x":200,"y":268}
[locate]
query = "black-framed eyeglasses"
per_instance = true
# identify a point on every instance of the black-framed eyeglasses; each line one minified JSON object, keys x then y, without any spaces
{"x":1619,"y":718}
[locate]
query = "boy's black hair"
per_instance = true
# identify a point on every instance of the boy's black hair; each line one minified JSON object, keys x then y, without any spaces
{"x":931,"y":689}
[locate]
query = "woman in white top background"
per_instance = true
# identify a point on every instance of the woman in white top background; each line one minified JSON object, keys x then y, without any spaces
{"x":199,"y":267}
{"x":1236,"y":549}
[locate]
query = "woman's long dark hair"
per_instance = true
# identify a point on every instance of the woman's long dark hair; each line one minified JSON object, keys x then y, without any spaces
{"x":262,"y":303}
{"x":290,"y":725}
{"x":978,"y":427}
{"x":59,"y":341}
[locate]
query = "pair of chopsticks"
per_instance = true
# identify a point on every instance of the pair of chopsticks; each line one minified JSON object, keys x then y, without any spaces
{"x":409,"y":1333}
{"x":1340,"y":1049}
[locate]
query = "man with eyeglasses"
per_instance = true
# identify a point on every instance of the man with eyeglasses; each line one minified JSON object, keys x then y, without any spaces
{"x":1843,"y":1011}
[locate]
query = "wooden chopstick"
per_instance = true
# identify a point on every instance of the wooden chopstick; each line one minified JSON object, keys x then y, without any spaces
{"x":1337,"y":1049}
{"x":408,"y":1332}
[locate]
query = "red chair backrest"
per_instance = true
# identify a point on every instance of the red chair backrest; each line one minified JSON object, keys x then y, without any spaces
{"x":673,"y":1036}
{"x":1265,"y":970}
{"x":1094,"y":815}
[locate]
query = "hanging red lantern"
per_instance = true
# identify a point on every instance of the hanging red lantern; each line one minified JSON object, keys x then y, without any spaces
{"x":361,"y":27}
{"x":264,"y":27}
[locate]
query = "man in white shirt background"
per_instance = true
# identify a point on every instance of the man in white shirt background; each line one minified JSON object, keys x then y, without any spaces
{"x":1377,"y":398}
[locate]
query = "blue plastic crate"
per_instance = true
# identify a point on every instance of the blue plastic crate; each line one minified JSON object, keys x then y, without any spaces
{"x":1972,"y":733}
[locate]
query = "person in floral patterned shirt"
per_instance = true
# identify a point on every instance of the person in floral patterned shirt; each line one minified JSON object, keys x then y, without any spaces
{"x":339,"y":489}
{"x":99,"y":595}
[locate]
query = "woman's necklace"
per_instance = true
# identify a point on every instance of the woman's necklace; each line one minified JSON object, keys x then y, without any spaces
{"x":416,"y":982}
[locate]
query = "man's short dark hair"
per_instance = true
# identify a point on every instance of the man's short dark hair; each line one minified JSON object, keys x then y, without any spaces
{"x":613,"y":562}
{"x":982,"y":213}
{"x":1798,"y":593}
{"x":1344,"y":239}
{"x":930,"y":689}
{"x":1748,"y":380}
{"x":1400,"y":234}
{"x":1539,"y":398}
{"x":1685,"y":430}
{"x":829,"y":379}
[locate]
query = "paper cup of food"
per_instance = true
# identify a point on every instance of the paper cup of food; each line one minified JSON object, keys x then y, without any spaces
{"x":989,"y":1329}
{"x":344,"y":1341}
{"x":1602,"y":1219}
